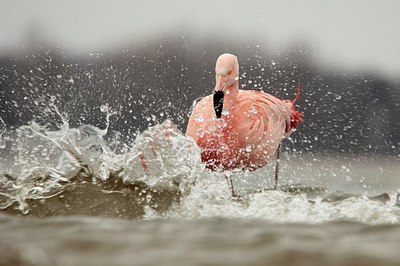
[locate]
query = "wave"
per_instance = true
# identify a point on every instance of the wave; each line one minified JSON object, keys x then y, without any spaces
{"x":77,"y":171}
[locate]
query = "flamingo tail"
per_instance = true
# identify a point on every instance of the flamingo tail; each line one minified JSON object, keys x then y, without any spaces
{"x":297,"y":116}
{"x":297,"y":94}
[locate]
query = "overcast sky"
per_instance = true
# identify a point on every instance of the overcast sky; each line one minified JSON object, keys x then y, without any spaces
{"x":349,"y":33}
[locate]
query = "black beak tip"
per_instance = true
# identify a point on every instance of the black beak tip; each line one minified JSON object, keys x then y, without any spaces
{"x":218,"y":100}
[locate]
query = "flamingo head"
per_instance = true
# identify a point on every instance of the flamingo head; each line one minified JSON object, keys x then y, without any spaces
{"x":226,"y":72}
{"x":226,"y":77}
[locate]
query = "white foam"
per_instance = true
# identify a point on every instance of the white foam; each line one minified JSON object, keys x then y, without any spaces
{"x":211,"y":198}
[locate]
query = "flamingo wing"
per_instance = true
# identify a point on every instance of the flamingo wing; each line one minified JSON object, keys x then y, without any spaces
{"x":260,"y":122}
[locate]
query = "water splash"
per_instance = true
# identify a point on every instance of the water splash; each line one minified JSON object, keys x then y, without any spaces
{"x":64,"y":170}
{"x":293,"y":204}
{"x":2,"y":131}
{"x":45,"y":161}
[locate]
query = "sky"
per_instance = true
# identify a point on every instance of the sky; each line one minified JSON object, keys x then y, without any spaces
{"x":354,"y":34}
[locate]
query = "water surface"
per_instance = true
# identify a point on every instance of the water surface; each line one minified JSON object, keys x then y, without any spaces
{"x":71,"y":196}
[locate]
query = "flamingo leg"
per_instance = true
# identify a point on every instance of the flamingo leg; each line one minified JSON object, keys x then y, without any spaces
{"x":278,"y":155}
{"x":230,"y":183}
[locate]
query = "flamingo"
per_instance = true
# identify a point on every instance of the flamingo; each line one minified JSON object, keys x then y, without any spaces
{"x":240,"y":129}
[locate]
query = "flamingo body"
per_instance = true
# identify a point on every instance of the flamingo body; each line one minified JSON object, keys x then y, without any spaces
{"x":250,"y":128}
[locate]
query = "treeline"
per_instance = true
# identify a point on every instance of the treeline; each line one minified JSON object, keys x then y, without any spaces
{"x":147,"y":83}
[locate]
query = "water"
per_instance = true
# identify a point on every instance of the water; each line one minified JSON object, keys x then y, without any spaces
{"x":212,"y":241}
{"x":79,"y":196}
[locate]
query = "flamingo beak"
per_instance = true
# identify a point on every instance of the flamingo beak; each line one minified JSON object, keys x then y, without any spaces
{"x":221,"y":83}
{"x":218,"y":99}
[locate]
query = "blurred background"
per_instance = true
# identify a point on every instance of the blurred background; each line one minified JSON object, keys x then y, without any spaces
{"x":149,"y":60}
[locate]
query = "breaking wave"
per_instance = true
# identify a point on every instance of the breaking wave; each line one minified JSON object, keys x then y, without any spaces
{"x":78,"y":171}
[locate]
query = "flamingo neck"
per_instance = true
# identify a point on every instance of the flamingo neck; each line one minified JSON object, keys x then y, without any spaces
{"x":231,"y":95}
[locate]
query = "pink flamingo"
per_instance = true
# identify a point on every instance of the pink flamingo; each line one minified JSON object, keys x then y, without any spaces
{"x":240,"y":129}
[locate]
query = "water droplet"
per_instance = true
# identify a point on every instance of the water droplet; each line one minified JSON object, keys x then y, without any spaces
{"x":44,"y":152}
{"x":225,"y":112}
{"x":253,"y":110}
{"x":249,"y":148}
{"x":198,"y":118}
{"x":104,"y":108}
